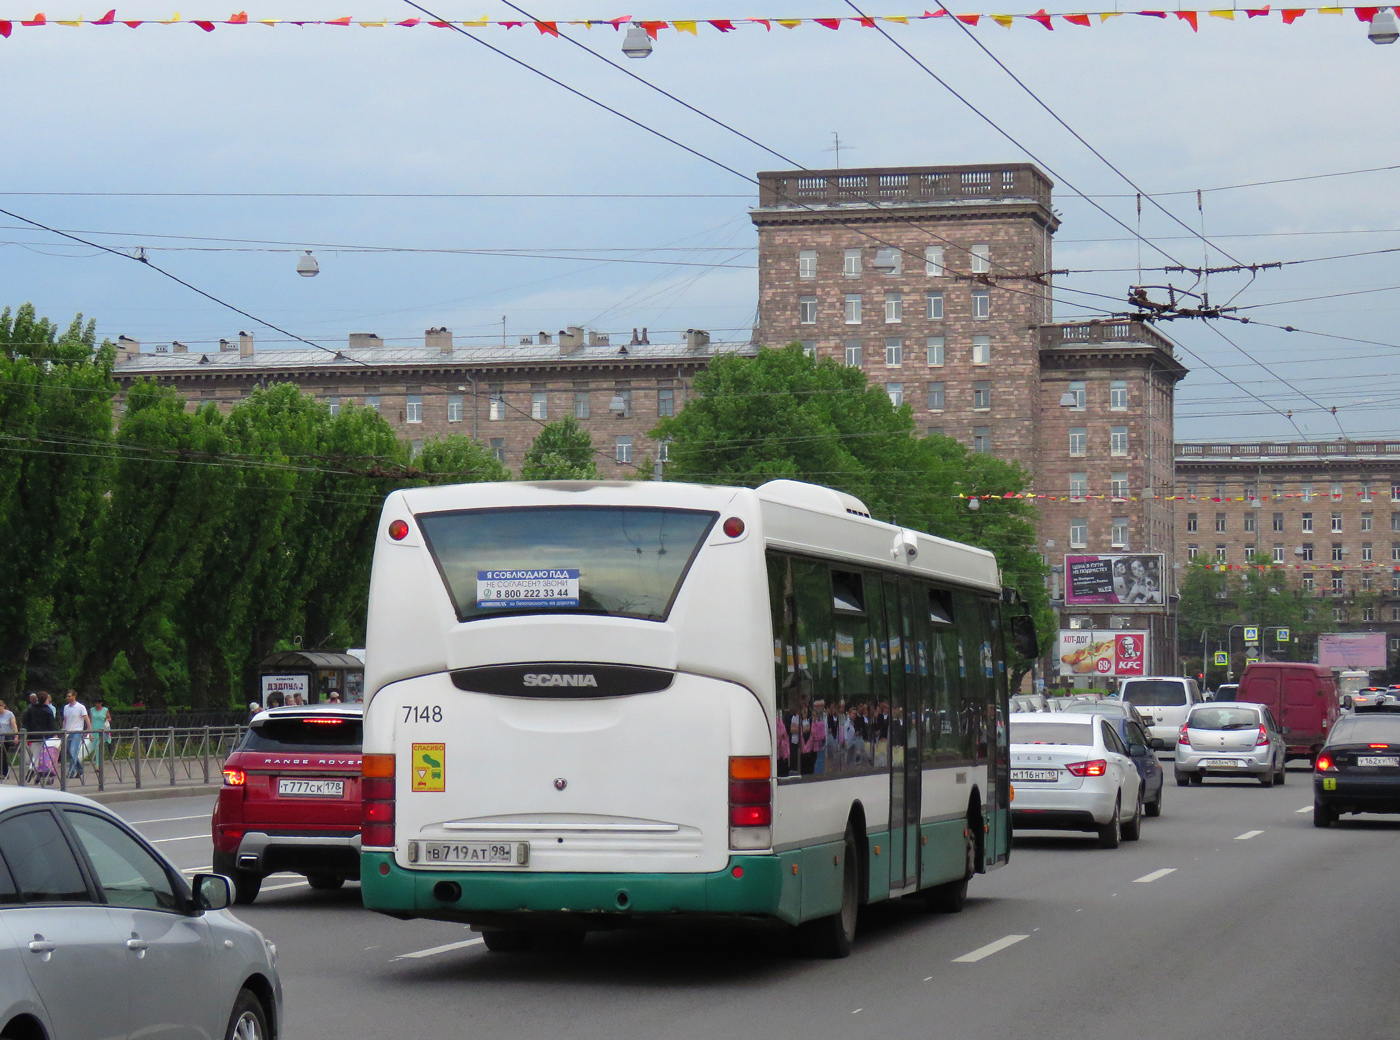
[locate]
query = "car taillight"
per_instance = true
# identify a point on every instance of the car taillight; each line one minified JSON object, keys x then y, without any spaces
{"x":1182,"y":737}
{"x":235,"y":777}
{"x":1325,"y":764}
{"x":1263,"y":737}
{"x":1094,"y":767}
{"x":377,"y":801}
{"x":750,"y":802}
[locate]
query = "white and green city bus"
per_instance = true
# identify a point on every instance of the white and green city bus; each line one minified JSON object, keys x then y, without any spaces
{"x":595,"y":704}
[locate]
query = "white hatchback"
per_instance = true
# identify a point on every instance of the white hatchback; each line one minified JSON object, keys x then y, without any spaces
{"x":1163,"y":701}
{"x":1073,"y":772}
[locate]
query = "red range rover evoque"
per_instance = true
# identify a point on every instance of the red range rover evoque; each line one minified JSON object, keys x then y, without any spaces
{"x":291,"y":799}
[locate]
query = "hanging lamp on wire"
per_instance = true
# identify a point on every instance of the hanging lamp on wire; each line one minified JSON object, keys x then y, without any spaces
{"x":307,"y":266}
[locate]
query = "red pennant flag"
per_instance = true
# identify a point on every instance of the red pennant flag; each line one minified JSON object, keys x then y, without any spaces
{"x":6,"y":28}
{"x":448,"y":25}
{"x":547,"y":28}
{"x":409,"y":23}
{"x":934,"y":14}
{"x":1365,"y":14}
{"x":132,"y":25}
{"x":968,"y":19}
{"x":763,"y":22}
{"x":1077,"y":19}
{"x":508,"y":25}
{"x":241,"y":18}
{"x":342,"y":20}
{"x":722,"y":24}
{"x":206,"y":26}
{"x":830,"y":23}
{"x":653,"y":27}
{"x":107,"y":19}
{"x":1043,"y":18}
{"x":617,"y":23}
{"x":1257,"y":12}
{"x":1289,"y":17}
{"x":1190,"y":17}
{"x":38,"y":19}
{"x":867,"y":21}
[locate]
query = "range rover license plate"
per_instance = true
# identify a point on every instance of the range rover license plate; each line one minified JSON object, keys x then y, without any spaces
{"x":478,"y":853}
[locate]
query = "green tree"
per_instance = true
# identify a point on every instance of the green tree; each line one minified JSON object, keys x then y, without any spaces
{"x":56,"y":391}
{"x":457,"y":459}
{"x":562,"y":450}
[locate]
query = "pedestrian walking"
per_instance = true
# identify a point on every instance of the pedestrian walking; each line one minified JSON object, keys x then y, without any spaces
{"x":76,"y":723}
{"x":9,"y":726}
{"x":37,"y":718}
{"x":49,"y":706}
{"x":101,"y":717}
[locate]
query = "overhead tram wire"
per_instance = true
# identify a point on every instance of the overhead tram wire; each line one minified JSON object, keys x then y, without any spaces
{"x":1291,"y":386}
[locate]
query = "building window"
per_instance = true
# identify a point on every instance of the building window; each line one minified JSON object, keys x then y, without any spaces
{"x":935,"y":397}
{"x":933,"y":261}
{"x":1192,"y":551}
{"x":853,"y":353}
{"x":498,"y":448}
{"x":1118,"y":395}
{"x":454,"y":407}
{"x":1080,"y":392}
{"x":1368,"y":614}
{"x":896,"y":392}
{"x":539,"y":404}
{"x":372,"y":402}
{"x":621,"y":403}
{"x":1219,"y":492}
{"x":415,"y":448}
{"x":1307,"y":492}
{"x":1118,"y":484}
{"x":982,"y":396}
{"x":1220,"y":519}
{"x":1078,"y":485}
{"x":894,"y":308}
{"x":890,"y":261}
{"x":1118,"y":441}
{"x":982,"y":439}
{"x":665,"y":403}
{"x":807,"y":263}
{"x":1337,"y":491}
{"x":1336,"y":613}
{"x":807,"y":310}
{"x":853,"y":309}
{"x":1395,"y":554}
{"x":1366,"y":491}
{"x":624,"y":449}
{"x":981,"y":258}
{"x":981,"y":350}
{"x":496,"y":410}
{"x":894,"y":352}
{"x":333,"y":403}
{"x":1367,"y":553}
{"x":935,"y":351}
{"x":1079,"y":533}
{"x":1337,"y":552}
{"x":1307,"y":582}
{"x":1120,"y":532}
{"x":981,"y":303}
{"x":1395,"y":521}
{"x":1395,"y":616}
{"x":581,"y":401}
{"x":1079,"y":441}
{"x":850,"y":264}
{"x":1336,"y":523}
{"x":1307,"y":552}
{"x":1278,"y":553}
{"x":1278,"y":491}
{"x":1307,"y":523}
{"x":413,"y":408}
{"x":933,"y":306}
{"x":1191,"y":523}
{"x":1278,"y":522}
{"x":1220,"y":553}
{"x":1250,"y":522}
{"x":1337,"y":581}
{"x":809,"y":347}
{"x":1367,"y":520}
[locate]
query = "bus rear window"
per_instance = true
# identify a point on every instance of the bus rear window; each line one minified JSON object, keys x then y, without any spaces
{"x":624,"y":561}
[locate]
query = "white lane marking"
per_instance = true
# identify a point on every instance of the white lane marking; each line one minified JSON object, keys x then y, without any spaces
{"x":435,"y":950}
{"x":183,"y":837}
{"x":1306,"y":808}
{"x":1247,"y":835}
{"x":171,"y":819}
{"x":197,"y":870}
{"x":1155,"y":875}
{"x":291,"y":884}
{"x":989,"y":949}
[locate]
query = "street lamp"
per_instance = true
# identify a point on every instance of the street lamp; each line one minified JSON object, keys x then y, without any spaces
{"x":307,"y":266}
{"x":637,"y":42}
{"x":1384,"y":28}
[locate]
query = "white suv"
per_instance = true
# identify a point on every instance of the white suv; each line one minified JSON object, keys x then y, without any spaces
{"x":1163,"y":701}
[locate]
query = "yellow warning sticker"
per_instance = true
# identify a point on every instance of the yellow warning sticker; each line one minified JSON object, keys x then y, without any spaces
{"x":429,"y":767}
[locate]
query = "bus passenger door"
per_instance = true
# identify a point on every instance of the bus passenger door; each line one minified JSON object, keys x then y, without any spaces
{"x":904,"y":838}
{"x":914,"y":707}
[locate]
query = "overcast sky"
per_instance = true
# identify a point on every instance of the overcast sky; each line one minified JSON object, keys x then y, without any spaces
{"x":354,"y":110}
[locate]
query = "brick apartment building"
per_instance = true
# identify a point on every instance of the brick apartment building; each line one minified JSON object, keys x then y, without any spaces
{"x":499,"y":395}
{"x":1328,"y":511}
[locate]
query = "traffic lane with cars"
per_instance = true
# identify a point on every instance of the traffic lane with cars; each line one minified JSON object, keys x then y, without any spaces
{"x":1232,"y":915}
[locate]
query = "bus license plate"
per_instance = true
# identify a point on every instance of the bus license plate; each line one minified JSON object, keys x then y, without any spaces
{"x":478,"y":853}
{"x":1377,"y":760}
{"x":1028,"y":775}
{"x":310,"y":788}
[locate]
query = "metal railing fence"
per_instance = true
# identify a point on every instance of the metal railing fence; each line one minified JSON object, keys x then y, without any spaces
{"x":136,"y":758}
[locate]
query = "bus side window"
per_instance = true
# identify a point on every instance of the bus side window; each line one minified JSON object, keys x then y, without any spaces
{"x":854,"y":672}
{"x":782,"y":605}
{"x":945,"y":701}
{"x":879,"y":664}
{"x":976,"y":662}
{"x":811,"y":583}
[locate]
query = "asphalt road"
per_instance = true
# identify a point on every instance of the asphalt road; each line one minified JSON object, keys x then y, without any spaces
{"x":1233,"y":917}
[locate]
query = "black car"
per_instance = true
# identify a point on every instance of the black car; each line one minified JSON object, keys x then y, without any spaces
{"x":1358,"y":769}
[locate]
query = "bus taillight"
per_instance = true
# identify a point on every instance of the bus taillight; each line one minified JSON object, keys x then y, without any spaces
{"x":377,"y":801}
{"x":750,"y":802}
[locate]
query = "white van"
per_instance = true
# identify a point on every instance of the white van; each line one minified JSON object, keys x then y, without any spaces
{"x":1163,"y":700}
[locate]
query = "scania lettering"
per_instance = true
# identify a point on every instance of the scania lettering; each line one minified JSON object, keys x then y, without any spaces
{"x":660,"y":701}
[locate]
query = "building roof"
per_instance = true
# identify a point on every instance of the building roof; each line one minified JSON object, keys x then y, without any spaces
{"x":1296,"y":453}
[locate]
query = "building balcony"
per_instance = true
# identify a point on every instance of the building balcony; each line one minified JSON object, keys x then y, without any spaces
{"x":1096,"y":333}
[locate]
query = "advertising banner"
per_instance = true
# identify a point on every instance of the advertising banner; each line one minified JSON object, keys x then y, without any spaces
{"x":1114,"y":579}
{"x":1351,"y":650}
{"x":286,"y":685}
{"x":1086,"y":651}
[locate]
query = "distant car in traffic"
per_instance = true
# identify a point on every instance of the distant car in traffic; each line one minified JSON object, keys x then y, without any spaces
{"x":291,"y":799}
{"x":1074,"y":773}
{"x":1141,"y":748}
{"x":1226,"y":691}
{"x":1358,"y":769}
{"x":101,"y":937}
{"x":1163,"y":701}
{"x":1370,"y":697}
{"x":1233,"y":739}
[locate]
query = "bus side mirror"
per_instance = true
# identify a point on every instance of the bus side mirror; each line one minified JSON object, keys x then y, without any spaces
{"x":1023,"y":636}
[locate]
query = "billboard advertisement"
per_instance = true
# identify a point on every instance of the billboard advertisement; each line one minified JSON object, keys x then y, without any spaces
{"x":1086,"y":651}
{"x":1124,"y":578}
{"x":1351,"y":650}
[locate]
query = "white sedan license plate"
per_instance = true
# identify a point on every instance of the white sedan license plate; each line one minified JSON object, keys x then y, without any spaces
{"x":289,"y":788}
{"x":1221,"y":763}
{"x":1030,"y":775}
{"x":478,"y":853}
{"x":1377,"y":760}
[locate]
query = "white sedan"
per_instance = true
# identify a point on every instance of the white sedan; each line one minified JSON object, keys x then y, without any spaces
{"x":1073,"y":772}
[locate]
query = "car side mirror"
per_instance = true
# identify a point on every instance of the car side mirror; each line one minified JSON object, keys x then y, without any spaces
{"x":1158,"y":744}
{"x":1023,"y":636}
{"x":1137,"y":750}
{"x":211,"y":891}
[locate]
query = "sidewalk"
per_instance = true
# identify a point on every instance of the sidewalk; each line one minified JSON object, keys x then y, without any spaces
{"x":125,"y":789}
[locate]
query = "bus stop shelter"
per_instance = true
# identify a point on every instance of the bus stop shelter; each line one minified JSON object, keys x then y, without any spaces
{"x":310,"y":677}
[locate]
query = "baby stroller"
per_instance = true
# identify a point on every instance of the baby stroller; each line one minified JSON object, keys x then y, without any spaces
{"x":45,"y":762}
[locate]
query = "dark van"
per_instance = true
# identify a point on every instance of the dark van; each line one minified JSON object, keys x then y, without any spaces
{"x":1303,"y":697}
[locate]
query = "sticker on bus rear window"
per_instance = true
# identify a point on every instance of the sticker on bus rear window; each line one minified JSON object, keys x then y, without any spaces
{"x":550,"y":587}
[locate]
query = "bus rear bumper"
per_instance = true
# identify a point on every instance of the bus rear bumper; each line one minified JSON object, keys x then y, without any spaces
{"x":749,"y":886}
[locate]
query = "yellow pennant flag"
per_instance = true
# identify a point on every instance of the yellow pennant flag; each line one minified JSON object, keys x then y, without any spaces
{"x":172,"y":19}
{"x":901,"y":19}
{"x":60,"y":22}
{"x":1227,"y":15}
{"x":1330,"y":10}
{"x":374,"y":25}
{"x":269,"y":21}
{"x":789,"y":23}
{"x":686,"y":27}
{"x":1106,"y":15}
{"x":480,"y":23}
{"x":1004,"y":20}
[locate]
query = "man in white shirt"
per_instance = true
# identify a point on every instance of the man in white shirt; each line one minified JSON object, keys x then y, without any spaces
{"x":76,"y":722}
{"x":8,"y":728}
